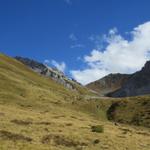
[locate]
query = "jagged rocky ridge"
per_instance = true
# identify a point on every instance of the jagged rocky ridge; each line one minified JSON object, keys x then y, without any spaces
{"x":108,"y":83}
{"x":47,"y":71}
{"x":137,"y":84}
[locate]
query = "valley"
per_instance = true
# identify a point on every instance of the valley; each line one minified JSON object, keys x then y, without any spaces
{"x":37,"y":113}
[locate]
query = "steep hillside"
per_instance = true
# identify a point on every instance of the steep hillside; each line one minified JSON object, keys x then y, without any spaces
{"x":37,"y":113}
{"x":134,"y":110}
{"x":109,"y":83}
{"x":20,"y":83}
{"x":52,"y":73}
{"x":137,"y":84}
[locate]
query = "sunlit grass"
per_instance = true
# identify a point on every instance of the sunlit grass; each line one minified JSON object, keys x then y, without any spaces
{"x":36,"y":113}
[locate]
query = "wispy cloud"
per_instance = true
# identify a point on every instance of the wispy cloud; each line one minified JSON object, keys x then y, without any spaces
{"x":60,"y":66}
{"x":98,"y":41}
{"x":77,"y":46}
{"x":46,"y":61}
{"x":119,"y":55}
{"x":75,"y":41}
{"x":72,"y":37}
{"x":68,"y":2}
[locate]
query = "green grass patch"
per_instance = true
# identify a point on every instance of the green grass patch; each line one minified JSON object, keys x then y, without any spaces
{"x":97,"y":128}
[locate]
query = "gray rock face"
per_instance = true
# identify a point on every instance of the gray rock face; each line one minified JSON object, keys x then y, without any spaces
{"x":137,"y":84}
{"x":44,"y":70}
{"x":34,"y":65}
{"x":109,"y":83}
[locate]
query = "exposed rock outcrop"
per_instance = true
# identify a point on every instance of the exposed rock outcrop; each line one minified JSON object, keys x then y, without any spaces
{"x":47,"y":71}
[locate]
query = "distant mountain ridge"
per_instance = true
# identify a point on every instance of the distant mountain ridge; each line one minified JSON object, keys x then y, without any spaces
{"x":47,"y":71}
{"x":137,"y":84}
{"x":123,"y":85}
{"x":108,"y":83}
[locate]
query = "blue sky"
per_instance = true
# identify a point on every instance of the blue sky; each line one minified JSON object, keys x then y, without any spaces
{"x":71,"y":33}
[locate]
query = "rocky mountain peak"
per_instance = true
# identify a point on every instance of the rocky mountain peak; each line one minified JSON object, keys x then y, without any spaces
{"x":137,"y":84}
{"x":47,"y":71}
{"x":146,"y":68}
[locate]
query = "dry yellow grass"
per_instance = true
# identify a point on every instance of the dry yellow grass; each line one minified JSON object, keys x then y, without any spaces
{"x":62,"y":128}
{"x":38,"y":114}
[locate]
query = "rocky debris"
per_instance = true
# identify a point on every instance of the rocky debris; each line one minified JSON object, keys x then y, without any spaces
{"x":137,"y":84}
{"x":108,"y":83}
{"x":47,"y":71}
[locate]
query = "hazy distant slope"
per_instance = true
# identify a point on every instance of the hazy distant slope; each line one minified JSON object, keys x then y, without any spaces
{"x":108,"y":83}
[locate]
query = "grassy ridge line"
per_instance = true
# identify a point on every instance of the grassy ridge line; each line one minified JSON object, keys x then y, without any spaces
{"x":14,"y":66}
{"x":18,"y":82}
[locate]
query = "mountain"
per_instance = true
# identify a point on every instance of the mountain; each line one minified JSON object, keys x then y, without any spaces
{"x":108,"y":84}
{"x":38,"y":113}
{"x":20,"y":82}
{"x":137,"y":84}
{"x":47,"y":71}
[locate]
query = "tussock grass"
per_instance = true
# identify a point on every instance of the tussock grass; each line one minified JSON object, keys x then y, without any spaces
{"x":131,"y":110}
{"x":97,"y":128}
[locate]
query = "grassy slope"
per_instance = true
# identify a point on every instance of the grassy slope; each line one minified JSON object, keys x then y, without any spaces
{"x":131,"y":110}
{"x":38,"y":114}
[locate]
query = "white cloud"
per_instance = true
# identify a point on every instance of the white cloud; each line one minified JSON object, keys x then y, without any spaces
{"x":120,"y":55}
{"x":72,"y":37}
{"x":88,"y":75}
{"x":60,"y":66}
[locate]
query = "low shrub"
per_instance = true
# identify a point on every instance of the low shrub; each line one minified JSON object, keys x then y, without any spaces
{"x":97,"y":128}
